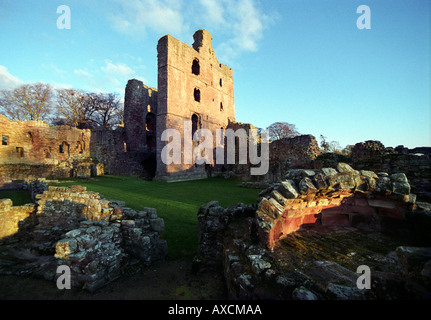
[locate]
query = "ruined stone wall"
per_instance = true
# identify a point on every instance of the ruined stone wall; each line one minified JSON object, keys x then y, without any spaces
{"x":343,"y":197}
{"x":299,"y":151}
{"x":11,"y":216}
{"x":109,"y":147}
{"x":310,"y":232}
{"x":35,"y":149}
{"x":289,"y":153}
{"x":96,"y":237}
{"x":140,"y":111}
{"x":35,"y":142}
{"x":192,"y":86}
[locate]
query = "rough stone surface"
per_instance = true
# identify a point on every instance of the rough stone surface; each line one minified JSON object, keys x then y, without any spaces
{"x":318,"y":263}
{"x":33,"y":149}
{"x":346,"y":197}
{"x":309,"y":247}
{"x":96,"y":237}
{"x":193,"y":86}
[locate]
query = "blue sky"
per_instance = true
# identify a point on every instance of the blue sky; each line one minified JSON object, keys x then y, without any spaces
{"x":300,"y":61}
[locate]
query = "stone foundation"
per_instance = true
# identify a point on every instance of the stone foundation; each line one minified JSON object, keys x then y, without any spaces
{"x":11,"y":217}
{"x":344,"y":197}
{"x":96,"y":237}
{"x":310,"y":233}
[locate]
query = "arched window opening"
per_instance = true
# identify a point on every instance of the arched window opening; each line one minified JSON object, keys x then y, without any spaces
{"x":64,"y":148}
{"x":79,"y":147}
{"x":195,"y":124}
{"x":4,"y":140}
{"x":20,"y":152}
{"x":196,"y":69}
{"x":221,"y":106}
{"x":221,"y":82}
{"x":197,"y":95}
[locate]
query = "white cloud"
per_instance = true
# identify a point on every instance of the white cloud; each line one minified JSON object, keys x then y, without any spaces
{"x":82,"y":73}
{"x":56,"y":85}
{"x":248,"y":26}
{"x":214,"y":11}
{"x":137,"y":16}
{"x":244,"y":21}
{"x":7,"y":80}
{"x":240,"y":23}
{"x":120,"y":69}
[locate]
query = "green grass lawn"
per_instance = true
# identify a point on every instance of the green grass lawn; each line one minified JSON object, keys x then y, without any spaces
{"x":18,"y":197}
{"x":177,"y":203}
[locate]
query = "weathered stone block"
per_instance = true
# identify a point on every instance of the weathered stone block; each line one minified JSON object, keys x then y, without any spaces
{"x":319,"y":180}
{"x":288,"y":189}
{"x":5,"y":204}
{"x":279,"y":197}
{"x":329,"y":171}
{"x":400,"y":188}
{"x":306,"y":186}
{"x":344,"y":168}
{"x":157,"y":224}
{"x":384,"y":185}
{"x":399,"y":177}
{"x":65,"y":247}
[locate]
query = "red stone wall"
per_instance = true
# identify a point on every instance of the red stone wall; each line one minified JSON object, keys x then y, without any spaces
{"x":33,"y":148}
{"x":343,"y":197}
{"x":140,"y":104}
{"x":40,"y":143}
{"x":300,"y":151}
{"x":177,"y":85}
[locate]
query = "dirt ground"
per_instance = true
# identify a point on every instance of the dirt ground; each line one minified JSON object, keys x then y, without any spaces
{"x":164,"y":280}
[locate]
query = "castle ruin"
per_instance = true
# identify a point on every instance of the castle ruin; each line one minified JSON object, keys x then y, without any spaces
{"x":193,"y":88}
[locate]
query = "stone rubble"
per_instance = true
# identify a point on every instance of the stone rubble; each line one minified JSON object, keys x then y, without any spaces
{"x":318,"y":259}
{"x":97,"y":238}
{"x":344,"y":196}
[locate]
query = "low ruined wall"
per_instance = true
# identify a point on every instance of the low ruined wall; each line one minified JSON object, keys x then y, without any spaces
{"x":346,"y":218}
{"x":344,"y":197}
{"x":96,"y":237}
{"x":417,"y":168}
{"x":298,"y":151}
{"x":213,"y":221}
{"x":11,"y":217}
{"x":35,"y":142}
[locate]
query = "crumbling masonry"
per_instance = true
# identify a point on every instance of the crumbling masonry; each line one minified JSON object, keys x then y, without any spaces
{"x":99,"y":239}
{"x":193,"y":86}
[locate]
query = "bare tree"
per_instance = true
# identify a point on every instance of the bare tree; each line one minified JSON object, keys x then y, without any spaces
{"x":88,"y":109}
{"x":332,"y":146}
{"x":70,"y":106}
{"x":280,"y":130}
{"x":103,"y":109}
{"x":27,"y":102}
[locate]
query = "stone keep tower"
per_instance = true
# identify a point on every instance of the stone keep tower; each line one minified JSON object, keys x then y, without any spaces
{"x":192,"y":86}
{"x":140,"y":110}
